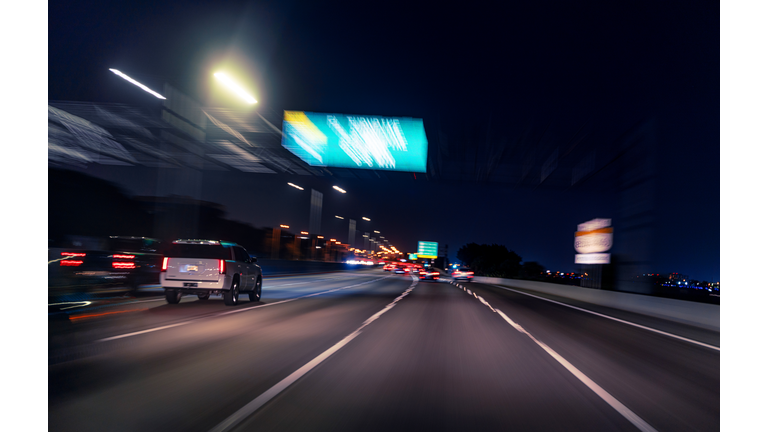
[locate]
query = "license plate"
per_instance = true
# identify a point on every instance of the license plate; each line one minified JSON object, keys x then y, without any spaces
{"x":190,"y":284}
{"x":190,"y":268}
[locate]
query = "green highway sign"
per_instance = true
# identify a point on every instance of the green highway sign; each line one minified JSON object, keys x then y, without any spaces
{"x":427,"y":249}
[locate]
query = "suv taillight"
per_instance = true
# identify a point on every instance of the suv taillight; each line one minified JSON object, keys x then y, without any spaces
{"x":165,"y":264}
{"x":222,"y":266}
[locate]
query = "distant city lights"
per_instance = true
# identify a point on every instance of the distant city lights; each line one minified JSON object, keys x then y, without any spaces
{"x":284,"y":226}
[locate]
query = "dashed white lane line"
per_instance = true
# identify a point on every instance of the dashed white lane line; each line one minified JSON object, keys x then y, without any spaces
{"x":604,"y":395}
{"x":234,"y":311}
{"x":616,"y":319}
{"x":232,"y":421}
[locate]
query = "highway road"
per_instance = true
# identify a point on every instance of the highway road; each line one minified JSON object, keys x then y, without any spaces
{"x":371,"y":350}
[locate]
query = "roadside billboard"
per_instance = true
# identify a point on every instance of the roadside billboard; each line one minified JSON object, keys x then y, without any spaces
{"x":592,"y":240}
{"x":353,"y":141}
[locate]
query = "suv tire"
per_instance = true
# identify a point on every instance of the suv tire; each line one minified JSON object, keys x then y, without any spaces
{"x":255,"y":295}
{"x":172,"y":296}
{"x":231,"y":296}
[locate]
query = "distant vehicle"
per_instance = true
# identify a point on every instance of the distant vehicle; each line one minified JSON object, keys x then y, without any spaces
{"x":429,"y":274}
{"x":401,"y":270}
{"x":117,"y":262}
{"x":205,"y":267}
{"x":389,"y":267}
{"x":463,"y":273}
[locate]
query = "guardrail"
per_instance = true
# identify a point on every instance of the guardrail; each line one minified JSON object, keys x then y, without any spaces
{"x":701,"y":315}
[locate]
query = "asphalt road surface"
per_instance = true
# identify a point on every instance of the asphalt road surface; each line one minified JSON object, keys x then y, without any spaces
{"x":369,"y":351}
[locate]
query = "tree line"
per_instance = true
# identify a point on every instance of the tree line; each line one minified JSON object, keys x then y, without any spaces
{"x":497,"y":261}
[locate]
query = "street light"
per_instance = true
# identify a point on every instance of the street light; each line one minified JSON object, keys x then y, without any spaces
{"x":232,"y":85}
{"x":136,"y":83}
{"x":297,"y":187}
{"x":377,"y":232}
{"x":339,"y":217}
{"x":366,"y":219}
{"x":284,"y":226}
{"x":339,"y":189}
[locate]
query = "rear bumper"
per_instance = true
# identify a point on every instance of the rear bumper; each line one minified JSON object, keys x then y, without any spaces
{"x":224,"y":282}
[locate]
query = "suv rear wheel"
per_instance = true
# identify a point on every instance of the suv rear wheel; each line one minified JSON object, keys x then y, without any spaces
{"x":231,"y":296}
{"x":172,"y":296}
{"x":204,"y":296}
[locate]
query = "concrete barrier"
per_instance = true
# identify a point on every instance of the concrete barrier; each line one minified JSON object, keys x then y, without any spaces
{"x":701,"y":315}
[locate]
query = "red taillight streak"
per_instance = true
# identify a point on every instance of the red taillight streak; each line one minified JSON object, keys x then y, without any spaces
{"x":124,"y":256}
{"x":123,"y":265}
{"x":71,"y":263}
{"x":222,"y":266}
{"x":73,"y":254}
{"x":165,"y":264}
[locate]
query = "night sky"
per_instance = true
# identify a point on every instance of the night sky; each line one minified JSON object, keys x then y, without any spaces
{"x":619,"y":62}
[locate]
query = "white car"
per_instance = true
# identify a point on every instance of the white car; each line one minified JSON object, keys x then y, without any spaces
{"x":205,"y":267}
{"x":463,"y":274}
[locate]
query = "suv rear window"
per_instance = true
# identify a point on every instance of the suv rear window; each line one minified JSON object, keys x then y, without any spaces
{"x":134,"y":245}
{"x":198,"y":251}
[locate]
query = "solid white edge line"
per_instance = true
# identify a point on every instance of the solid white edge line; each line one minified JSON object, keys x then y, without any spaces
{"x":616,"y":319}
{"x":252,"y":406}
{"x":231,"y":312}
{"x":612,"y":401}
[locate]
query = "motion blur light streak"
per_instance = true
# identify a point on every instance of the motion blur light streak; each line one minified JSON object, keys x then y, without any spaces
{"x":138,"y":84}
{"x":70,"y":263}
{"x":77,"y":317}
{"x":232,"y":85}
{"x":340,"y":190}
{"x":74,"y":304}
{"x":297,"y":187}
{"x":124,"y":265}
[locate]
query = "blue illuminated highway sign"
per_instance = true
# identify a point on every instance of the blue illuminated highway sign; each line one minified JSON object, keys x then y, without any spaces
{"x":352,"y":141}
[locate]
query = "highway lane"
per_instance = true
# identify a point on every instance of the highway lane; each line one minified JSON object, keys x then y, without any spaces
{"x":104,"y":317}
{"x":185,"y":377}
{"x":387,"y":354}
{"x":671,"y":383}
